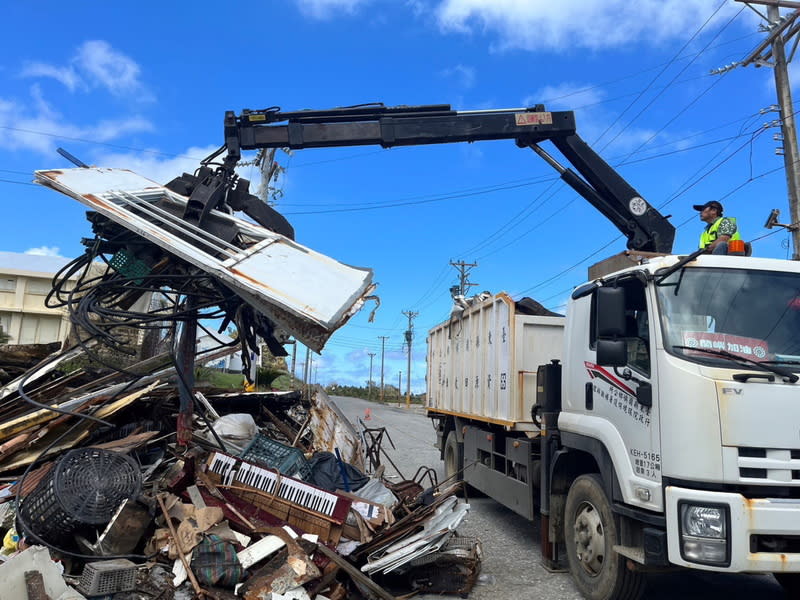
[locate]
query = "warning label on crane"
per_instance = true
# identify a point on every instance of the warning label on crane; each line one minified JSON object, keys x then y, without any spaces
{"x":534,"y":118}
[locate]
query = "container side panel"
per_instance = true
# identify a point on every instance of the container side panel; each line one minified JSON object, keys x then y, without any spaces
{"x":502,"y":335}
{"x":540,"y":339}
{"x":483,"y":362}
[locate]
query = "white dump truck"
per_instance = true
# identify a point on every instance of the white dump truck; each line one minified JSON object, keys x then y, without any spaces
{"x":656,"y":425}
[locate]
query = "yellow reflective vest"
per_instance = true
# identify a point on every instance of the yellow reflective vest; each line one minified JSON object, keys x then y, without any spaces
{"x":709,"y":235}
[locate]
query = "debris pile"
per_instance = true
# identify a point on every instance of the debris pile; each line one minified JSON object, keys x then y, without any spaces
{"x":269,"y":498}
{"x":122,"y":476}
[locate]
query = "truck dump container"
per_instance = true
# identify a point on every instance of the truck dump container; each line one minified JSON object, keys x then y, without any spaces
{"x":482,"y":363}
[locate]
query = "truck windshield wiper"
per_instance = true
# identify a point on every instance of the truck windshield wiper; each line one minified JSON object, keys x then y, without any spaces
{"x":764,"y":365}
{"x":780,"y":362}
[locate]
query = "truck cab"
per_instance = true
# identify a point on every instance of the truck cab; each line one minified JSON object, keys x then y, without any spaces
{"x":679,"y":380}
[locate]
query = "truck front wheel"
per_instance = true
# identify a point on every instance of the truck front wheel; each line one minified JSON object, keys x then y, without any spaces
{"x":590,"y":532}
{"x":453,"y":457}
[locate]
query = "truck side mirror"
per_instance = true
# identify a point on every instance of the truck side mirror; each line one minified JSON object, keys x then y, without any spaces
{"x":644,"y":393}
{"x":612,"y":353}
{"x":612,"y":350}
{"x":610,"y":312}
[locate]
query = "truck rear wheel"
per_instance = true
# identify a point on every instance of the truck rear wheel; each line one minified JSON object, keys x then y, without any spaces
{"x":590,"y":532}
{"x":453,"y":457}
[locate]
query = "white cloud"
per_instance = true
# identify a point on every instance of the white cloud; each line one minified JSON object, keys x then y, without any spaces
{"x":594,"y":24}
{"x":43,"y":129}
{"x":418,"y":7}
{"x":463,"y":75}
{"x":66,"y":75}
{"x":109,"y":68}
{"x":158,"y":168}
{"x":325,"y":9}
{"x":44,"y":251}
{"x":96,"y":64}
{"x":40,"y":104}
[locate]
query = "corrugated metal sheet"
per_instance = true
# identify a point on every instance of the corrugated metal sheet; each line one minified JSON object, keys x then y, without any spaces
{"x":306,"y":293}
{"x":483,"y":363}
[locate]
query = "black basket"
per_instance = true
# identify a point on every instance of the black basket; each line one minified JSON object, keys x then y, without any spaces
{"x":42,"y":515}
{"x":85,"y":487}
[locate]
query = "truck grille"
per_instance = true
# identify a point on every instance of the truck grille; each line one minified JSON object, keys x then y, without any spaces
{"x":775,"y":543}
{"x":773,"y":464}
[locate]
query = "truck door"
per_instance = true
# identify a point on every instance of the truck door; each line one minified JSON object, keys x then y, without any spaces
{"x":626,"y":396}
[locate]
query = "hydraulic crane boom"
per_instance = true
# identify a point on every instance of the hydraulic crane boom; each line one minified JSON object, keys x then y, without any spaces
{"x":644,"y":227}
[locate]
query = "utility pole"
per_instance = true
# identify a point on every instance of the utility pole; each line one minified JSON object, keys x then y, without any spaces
{"x":306,"y":371}
{"x":294,"y":356}
{"x":369,"y":381}
{"x":781,"y":30}
{"x":463,"y":277}
{"x":383,"y":339}
{"x":409,"y":339}
{"x":399,"y":385}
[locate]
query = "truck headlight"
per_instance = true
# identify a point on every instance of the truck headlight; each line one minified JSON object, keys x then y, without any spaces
{"x":704,"y":533}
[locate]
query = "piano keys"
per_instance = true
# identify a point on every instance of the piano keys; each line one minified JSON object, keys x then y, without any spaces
{"x":311,"y":509}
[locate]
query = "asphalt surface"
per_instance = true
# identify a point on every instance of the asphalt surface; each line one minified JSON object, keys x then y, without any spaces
{"x":512,"y":566}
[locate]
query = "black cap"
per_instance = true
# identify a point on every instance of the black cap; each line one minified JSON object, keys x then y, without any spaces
{"x":709,"y":204}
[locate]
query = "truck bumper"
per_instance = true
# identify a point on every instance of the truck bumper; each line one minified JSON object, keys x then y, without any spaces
{"x":750,"y":520}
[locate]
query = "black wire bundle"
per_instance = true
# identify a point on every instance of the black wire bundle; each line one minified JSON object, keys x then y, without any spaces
{"x":101,"y":306}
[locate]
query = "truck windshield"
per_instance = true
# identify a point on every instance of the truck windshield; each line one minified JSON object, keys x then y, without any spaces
{"x":750,"y":314}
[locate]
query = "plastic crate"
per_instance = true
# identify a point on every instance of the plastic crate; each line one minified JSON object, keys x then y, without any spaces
{"x":108,"y":577}
{"x":274,"y":455}
{"x":129,"y":266}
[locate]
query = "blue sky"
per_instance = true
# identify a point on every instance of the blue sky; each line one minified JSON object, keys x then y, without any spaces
{"x":146,"y":88}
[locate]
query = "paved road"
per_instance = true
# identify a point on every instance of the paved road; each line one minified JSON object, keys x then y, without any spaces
{"x":512,"y":562}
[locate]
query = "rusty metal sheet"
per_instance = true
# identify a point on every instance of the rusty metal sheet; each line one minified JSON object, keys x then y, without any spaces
{"x":332,"y":430}
{"x":306,"y":293}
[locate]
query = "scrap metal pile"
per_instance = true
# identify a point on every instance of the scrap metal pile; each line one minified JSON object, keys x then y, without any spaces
{"x":268,"y":500}
{"x":123,"y":477}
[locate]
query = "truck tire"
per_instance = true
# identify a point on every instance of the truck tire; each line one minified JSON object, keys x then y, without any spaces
{"x":790,"y":582}
{"x":453,"y":457}
{"x":590,"y":533}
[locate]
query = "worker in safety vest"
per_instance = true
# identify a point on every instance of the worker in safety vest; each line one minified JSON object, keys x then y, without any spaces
{"x":719,"y":230}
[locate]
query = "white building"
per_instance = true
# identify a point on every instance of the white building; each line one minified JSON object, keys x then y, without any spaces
{"x":232,"y":363}
{"x":25,"y":281}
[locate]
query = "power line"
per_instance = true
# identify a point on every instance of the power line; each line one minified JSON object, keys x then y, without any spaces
{"x":59,"y":136}
{"x":441,"y":198}
{"x":661,"y":72}
{"x":674,"y":197}
{"x":641,"y":72}
{"x":19,"y":182}
{"x":672,"y":81}
{"x":717,"y":166}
